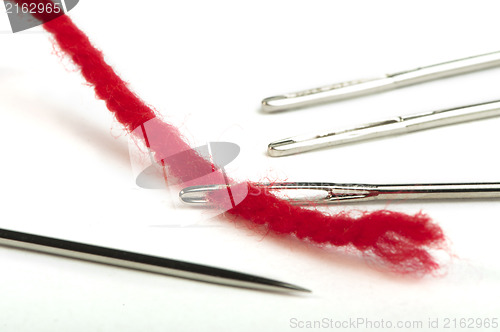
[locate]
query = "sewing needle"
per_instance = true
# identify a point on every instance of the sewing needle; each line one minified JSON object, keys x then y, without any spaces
{"x":314,"y":193}
{"x":360,"y":87}
{"x":393,"y":126}
{"x":142,"y":262}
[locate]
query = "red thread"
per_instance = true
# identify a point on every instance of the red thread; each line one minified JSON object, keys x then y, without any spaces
{"x":399,"y":239}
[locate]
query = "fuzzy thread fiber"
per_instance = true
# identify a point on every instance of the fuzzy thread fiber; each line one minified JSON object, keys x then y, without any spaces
{"x":398,"y":239}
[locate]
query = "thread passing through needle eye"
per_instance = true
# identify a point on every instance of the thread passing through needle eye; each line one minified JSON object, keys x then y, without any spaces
{"x":314,"y":193}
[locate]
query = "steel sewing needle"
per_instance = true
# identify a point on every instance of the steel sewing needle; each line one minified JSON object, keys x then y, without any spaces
{"x":142,"y":262}
{"x":393,"y":126}
{"x":314,"y":193}
{"x":361,"y":87}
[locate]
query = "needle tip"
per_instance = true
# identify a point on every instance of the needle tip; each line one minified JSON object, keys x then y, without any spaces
{"x":274,"y":286}
{"x":296,"y":288}
{"x":265,"y":284}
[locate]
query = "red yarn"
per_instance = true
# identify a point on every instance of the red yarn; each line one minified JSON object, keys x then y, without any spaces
{"x":399,"y":239}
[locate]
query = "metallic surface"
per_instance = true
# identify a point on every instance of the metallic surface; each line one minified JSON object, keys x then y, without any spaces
{"x":141,"y":262}
{"x":394,"y":126}
{"x":195,"y":195}
{"x":313,"y":193}
{"x":362,"y":87}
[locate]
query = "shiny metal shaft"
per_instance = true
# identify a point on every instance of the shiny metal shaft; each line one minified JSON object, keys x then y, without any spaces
{"x":141,"y":262}
{"x":314,"y":193}
{"x":386,"y":82}
{"x":393,"y":126}
{"x":336,"y":192}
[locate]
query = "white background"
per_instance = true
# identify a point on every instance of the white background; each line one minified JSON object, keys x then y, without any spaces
{"x":205,"y":65}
